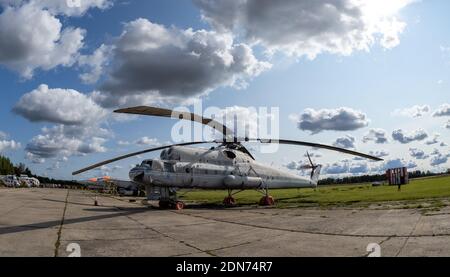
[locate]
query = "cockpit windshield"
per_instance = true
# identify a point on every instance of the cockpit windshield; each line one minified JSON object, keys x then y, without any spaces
{"x":148,"y":163}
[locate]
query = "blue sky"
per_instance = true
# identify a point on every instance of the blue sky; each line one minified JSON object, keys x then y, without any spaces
{"x":372,"y":72}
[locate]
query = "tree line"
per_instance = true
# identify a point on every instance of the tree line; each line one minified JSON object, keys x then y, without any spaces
{"x":8,"y":168}
{"x":373,"y":178}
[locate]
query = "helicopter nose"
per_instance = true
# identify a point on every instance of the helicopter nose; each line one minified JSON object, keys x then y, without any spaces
{"x":137,"y":174}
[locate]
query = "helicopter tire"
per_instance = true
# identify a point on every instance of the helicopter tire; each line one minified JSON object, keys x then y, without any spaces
{"x":179,"y":205}
{"x":229,"y":201}
{"x":267,"y":201}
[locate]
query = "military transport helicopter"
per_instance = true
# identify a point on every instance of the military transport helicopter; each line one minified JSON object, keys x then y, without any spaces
{"x":228,"y":166}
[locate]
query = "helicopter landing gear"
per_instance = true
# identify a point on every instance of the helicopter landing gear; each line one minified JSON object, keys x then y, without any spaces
{"x":266,"y":201}
{"x":170,"y":204}
{"x":168,"y":199}
{"x":229,"y":201}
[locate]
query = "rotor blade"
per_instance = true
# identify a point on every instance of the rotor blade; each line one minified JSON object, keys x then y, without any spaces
{"x":309,"y":158}
{"x":154,"y":111}
{"x":317,"y":145}
{"x":135,"y":154}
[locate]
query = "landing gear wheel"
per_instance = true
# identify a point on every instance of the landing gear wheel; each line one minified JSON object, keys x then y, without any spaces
{"x":179,"y":205}
{"x":229,"y":201}
{"x":266,"y":201}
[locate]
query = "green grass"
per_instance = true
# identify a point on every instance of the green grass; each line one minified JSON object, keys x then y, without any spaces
{"x":361,"y":194}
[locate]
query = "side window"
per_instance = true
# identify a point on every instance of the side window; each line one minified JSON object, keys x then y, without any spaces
{"x":229,"y":154}
{"x":168,"y":167}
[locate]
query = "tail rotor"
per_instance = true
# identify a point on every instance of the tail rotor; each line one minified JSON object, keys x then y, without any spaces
{"x":315,"y":170}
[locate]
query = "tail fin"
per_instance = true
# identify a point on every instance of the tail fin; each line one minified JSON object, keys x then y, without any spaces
{"x":315,"y":175}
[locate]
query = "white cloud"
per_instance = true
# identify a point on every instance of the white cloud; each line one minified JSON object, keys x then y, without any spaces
{"x":396,"y":163}
{"x":444,"y":110}
{"x":414,"y":111}
{"x":418,"y":154}
{"x":337,"y":168}
{"x":438,"y":160}
{"x":34,"y":159}
{"x":7,"y":145}
{"x":64,"y":106}
{"x":404,"y":138}
{"x":65,"y":141}
{"x":294,"y":165}
{"x":95,"y":63}
{"x":359,"y":168}
{"x":345,"y":142}
{"x":32,"y":38}
{"x":341,"y":119}
{"x":154,"y":63}
{"x":148,"y":141}
{"x":379,"y":153}
{"x":434,"y":140}
{"x":310,"y":27}
{"x":62,"y":7}
{"x":376,"y":135}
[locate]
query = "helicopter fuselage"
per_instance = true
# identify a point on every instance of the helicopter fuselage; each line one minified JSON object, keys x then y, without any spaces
{"x":215,"y":168}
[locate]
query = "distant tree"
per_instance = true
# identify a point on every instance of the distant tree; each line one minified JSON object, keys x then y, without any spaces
{"x":20,"y":169}
{"x":6,"y":167}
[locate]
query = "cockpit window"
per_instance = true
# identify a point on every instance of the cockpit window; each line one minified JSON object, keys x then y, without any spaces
{"x":147,"y":162}
{"x":229,"y":154}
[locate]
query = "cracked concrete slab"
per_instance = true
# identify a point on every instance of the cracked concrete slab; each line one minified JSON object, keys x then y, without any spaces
{"x":31,"y":218}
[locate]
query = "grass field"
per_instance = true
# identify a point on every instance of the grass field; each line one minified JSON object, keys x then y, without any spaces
{"x":365,"y":194}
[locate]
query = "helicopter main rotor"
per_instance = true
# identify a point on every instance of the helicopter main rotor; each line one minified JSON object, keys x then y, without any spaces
{"x":229,"y":139}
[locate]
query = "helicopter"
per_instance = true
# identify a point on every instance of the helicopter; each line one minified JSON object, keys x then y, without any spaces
{"x":227,"y":166}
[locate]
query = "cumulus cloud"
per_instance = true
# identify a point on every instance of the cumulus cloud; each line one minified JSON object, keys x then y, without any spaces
{"x":443,"y":110}
{"x":337,"y":168}
{"x":78,"y":123}
{"x":405,"y":138}
{"x":243,"y":120}
{"x":345,"y":142}
{"x":379,"y":154}
{"x":148,"y":141}
{"x":359,"y":168}
{"x":62,"y":140}
{"x":8,"y":145}
{"x":294,"y":165}
{"x":61,"y":7}
{"x":154,"y":63}
{"x":341,"y":119}
{"x":376,"y":135}
{"x":439,"y":160}
{"x":414,"y":111}
{"x":308,"y":28}
{"x":63,"y":106}
{"x":34,"y":159}
{"x":434,"y":140}
{"x":396,"y":163}
{"x":32,"y":38}
{"x":95,"y":64}
{"x":418,"y":154}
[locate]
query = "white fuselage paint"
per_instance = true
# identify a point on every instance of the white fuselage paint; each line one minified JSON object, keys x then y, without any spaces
{"x":216,"y":168}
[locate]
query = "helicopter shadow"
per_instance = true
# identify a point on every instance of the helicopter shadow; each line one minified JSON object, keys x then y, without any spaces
{"x":68,"y":221}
